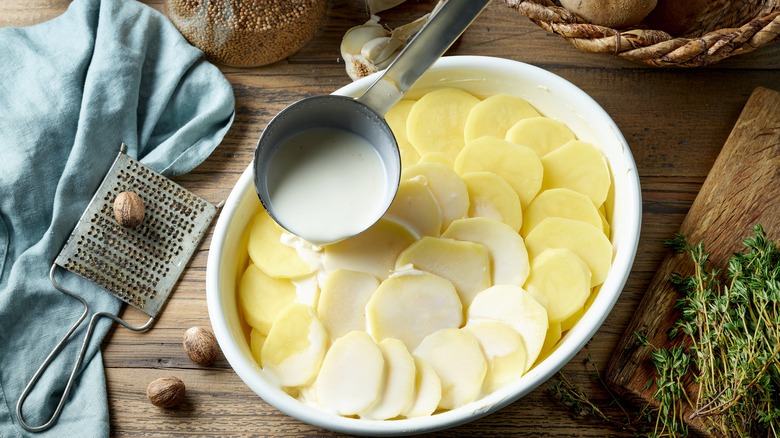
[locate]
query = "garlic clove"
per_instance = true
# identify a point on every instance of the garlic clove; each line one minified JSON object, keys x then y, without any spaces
{"x":357,"y":65}
{"x":356,"y":37}
{"x":370,"y":47}
{"x":384,"y":50}
{"x":376,"y":49}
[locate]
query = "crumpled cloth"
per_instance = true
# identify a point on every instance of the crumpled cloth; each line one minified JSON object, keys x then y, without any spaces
{"x":71,"y":91}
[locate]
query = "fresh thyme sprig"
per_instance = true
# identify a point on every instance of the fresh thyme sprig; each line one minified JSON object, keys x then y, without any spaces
{"x":733,"y":324}
{"x":581,"y":405}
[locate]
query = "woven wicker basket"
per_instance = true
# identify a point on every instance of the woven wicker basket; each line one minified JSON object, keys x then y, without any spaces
{"x":722,"y":28}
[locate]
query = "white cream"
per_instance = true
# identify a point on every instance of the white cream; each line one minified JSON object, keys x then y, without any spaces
{"x":327,"y":184}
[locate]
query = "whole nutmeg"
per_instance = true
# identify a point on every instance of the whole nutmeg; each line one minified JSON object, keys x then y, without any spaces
{"x":166,"y":392}
{"x":201,"y":345}
{"x":129,"y":209}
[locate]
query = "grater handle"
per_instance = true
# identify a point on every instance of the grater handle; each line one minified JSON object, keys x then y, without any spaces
{"x":85,"y":343}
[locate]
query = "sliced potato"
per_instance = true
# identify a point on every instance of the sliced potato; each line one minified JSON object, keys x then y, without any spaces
{"x":427,"y":391}
{"x":554,"y":332}
{"x":492,"y":197}
{"x":588,"y":242}
{"x":416,"y":208}
{"x":373,"y":251}
{"x":457,"y":358}
{"x":262,"y":298}
{"x":560,"y":202}
{"x":294,"y":348}
{"x":504,"y":350}
{"x":447,"y":187}
{"x":579,"y":166}
{"x":604,"y":221}
{"x":343,"y":299}
{"x":396,"y":117}
{"x":398,"y":383}
{"x":518,"y":165}
{"x":436,"y":122}
{"x":437,"y":157}
{"x":563,"y":278}
{"x":269,"y":253}
{"x":411,"y":306}
{"x":571,"y":321}
{"x":507,"y":251}
{"x":256,"y":341}
{"x":350,"y":380}
{"x":495,"y":115}
{"x":465,"y":264}
{"x":515,"y":307}
{"x":542,"y":134}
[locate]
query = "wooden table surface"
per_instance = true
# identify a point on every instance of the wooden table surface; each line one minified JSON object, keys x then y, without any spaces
{"x":675,"y":121}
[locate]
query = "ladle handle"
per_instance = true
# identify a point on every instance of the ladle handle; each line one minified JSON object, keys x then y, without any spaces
{"x":430,"y":43}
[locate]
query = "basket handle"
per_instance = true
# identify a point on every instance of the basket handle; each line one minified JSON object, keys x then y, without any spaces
{"x":85,"y":343}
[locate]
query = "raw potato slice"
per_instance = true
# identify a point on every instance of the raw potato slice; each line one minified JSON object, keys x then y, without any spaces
{"x":570,"y":322}
{"x":518,"y":165}
{"x":343,"y":299}
{"x":437,"y":120}
{"x":492,"y":197}
{"x":411,"y":306}
{"x":515,"y":307}
{"x":507,"y":250}
{"x":542,"y":134}
{"x":398,"y":384}
{"x":579,"y":166}
{"x":427,"y":391}
{"x":396,"y":117}
{"x":563,"y":278}
{"x":438,"y":157}
{"x":268,"y":252}
{"x":560,"y":202}
{"x":495,"y":115}
{"x":604,"y":222}
{"x":416,"y":208}
{"x":350,"y":380}
{"x":550,"y":341}
{"x":256,"y":341}
{"x":294,"y":348}
{"x":456,"y":357}
{"x":588,"y":242}
{"x":465,"y":264}
{"x":373,"y":251}
{"x":504,"y":350}
{"x":262,"y":298}
{"x":447,"y":187}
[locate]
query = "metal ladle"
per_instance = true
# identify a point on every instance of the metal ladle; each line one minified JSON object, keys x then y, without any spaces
{"x":364,"y":116}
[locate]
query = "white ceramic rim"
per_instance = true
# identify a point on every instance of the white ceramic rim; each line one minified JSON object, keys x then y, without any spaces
{"x":625,"y":249}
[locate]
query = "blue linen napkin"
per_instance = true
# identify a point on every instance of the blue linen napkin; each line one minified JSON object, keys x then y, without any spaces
{"x":71,"y":90}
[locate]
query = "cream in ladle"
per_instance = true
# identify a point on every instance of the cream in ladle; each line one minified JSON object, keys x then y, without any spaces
{"x":310,"y":198}
{"x":328,"y":167}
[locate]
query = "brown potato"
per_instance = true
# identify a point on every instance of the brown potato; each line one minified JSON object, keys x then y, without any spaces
{"x":688,"y":18}
{"x":611,"y":13}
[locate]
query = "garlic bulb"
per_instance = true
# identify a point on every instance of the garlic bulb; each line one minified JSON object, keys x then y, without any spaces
{"x":370,"y":47}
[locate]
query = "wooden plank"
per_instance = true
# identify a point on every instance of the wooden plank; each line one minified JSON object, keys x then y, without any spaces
{"x":740,"y":191}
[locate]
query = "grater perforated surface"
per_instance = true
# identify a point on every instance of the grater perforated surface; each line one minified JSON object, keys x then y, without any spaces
{"x":141,"y":265}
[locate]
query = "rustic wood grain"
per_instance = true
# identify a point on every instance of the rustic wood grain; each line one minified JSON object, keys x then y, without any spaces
{"x":740,"y":191}
{"x":675,"y":121}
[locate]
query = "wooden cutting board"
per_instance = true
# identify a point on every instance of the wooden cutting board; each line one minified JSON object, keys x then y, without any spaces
{"x":742,"y":189}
